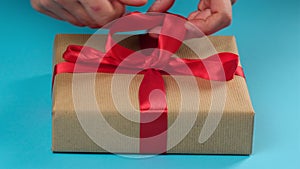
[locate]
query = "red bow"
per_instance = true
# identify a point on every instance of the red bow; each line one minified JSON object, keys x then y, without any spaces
{"x":153,"y":62}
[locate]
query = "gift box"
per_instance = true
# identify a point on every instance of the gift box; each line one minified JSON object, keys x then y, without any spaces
{"x":201,"y":119}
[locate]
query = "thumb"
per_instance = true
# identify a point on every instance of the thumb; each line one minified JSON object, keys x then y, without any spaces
{"x":161,"y":5}
{"x":134,"y":2}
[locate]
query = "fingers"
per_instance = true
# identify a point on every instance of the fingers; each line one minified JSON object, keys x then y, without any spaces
{"x":212,"y":16}
{"x":212,"y":24}
{"x":134,"y":2}
{"x":204,"y":4}
{"x":52,"y":9}
{"x":103,"y":11}
{"x":93,"y":13}
{"x":161,"y":5}
{"x":77,"y":10}
{"x":46,"y":12}
{"x":200,"y":14}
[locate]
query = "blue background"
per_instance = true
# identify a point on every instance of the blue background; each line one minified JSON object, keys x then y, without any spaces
{"x":268,"y":34}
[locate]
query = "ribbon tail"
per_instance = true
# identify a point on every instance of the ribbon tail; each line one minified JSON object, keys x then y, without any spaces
{"x":154,"y":117}
{"x":240,"y":72}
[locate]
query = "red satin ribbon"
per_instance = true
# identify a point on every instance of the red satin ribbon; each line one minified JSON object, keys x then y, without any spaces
{"x":154,"y":122}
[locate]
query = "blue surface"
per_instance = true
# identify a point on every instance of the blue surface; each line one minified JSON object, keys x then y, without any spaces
{"x":268,"y":35}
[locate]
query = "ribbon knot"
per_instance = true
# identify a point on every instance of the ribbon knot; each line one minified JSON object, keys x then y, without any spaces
{"x":155,"y":60}
{"x":148,"y":63}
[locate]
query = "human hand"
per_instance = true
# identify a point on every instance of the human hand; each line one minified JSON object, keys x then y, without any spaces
{"x":161,"y":5}
{"x":92,"y":13}
{"x":212,"y":15}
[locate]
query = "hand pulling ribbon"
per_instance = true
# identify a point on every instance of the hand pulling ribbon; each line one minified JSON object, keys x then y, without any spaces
{"x":222,"y":67}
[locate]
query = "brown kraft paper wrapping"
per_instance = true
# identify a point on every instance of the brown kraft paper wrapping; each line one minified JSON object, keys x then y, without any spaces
{"x":233,"y":134}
